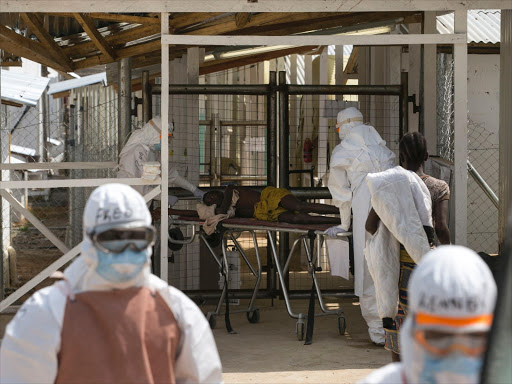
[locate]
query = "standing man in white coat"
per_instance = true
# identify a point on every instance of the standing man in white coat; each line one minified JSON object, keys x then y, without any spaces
{"x":110,"y":320}
{"x":360,"y":152}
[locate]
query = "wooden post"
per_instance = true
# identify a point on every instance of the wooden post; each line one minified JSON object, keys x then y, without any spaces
{"x":461,"y":130}
{"x":164,"y":161}
{"x":429,"y":110}
{"x":505,"y":190}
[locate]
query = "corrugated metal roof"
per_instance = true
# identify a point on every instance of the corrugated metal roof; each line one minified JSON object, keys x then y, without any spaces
{"x":66,"y":85}
{"x":22,"y":88}
{"x":483,"y":25}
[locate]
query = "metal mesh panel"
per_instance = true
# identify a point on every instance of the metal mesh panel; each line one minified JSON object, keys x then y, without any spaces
{"x":86,"y":132}
{"x":483,"y":154}
{"x":218,"y":140}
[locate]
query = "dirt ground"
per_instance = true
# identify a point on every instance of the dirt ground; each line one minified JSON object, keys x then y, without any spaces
{"x":269,"y":352}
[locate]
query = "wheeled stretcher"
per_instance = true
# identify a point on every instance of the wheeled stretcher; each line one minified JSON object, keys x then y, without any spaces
{"x":231,"y":228}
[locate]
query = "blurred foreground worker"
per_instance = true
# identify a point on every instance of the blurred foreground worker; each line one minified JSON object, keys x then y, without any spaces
{"x":451,"y":301}
{"x":110,"y":320}
{"x":141,"y":149}
{"x":360,"y":152}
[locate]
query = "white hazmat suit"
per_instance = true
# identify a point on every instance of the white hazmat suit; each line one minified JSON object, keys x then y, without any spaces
{"x":90,"y":328}
{"x":360,"y":152}
{"x":136,"y":152}
{"x":452,"y":294}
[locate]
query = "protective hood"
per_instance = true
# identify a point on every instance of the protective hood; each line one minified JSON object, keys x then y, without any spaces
{"x":346,"y":120}
{"x":109,"y":206}
{"x":148,"y":135}
{"x":451,"y":290}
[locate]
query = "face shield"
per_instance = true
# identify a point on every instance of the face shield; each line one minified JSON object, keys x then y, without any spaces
{"x":118,"y":233}
{"x":451,"y":301}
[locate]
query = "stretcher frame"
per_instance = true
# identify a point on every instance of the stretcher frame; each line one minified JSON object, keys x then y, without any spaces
{"x":230,"y":227}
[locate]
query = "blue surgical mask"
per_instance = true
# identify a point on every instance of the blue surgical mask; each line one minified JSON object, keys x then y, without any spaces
{"x":120,"y":267}
{"x":157,"y":147}
{"x":454,"y":368}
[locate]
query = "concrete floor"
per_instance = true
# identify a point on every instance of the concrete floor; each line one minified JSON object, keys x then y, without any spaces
{"x":269,"y":352}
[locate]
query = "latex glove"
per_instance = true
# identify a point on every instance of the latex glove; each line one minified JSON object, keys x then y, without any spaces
{"x":172,"y":200}
{"x":199,"y":193}
{"x":333,"y":231}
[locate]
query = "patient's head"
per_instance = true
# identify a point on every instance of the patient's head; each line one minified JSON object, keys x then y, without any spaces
{"x":213,"y":197}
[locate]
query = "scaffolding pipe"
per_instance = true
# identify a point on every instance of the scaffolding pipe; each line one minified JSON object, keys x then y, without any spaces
{"x":482,"y":184}
{"x":147,"y":98}
{"x":212,"y":89}
{"x":225,"y":123}
{"x":386,"y":90}
{"x":125,"y":105}
{"x":284,"y":162}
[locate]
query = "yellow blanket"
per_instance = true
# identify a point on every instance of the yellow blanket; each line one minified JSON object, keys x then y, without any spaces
{"x":268,"y":208}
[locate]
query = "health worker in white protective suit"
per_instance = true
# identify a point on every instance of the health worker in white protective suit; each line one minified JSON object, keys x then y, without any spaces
{"x":110,"y":320}
{"x":452,"y":294}
{"x":141,"y":149}
{"x":360,"y":152}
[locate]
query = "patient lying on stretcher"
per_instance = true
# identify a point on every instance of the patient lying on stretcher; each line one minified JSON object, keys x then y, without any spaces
{"x":272,"y":204}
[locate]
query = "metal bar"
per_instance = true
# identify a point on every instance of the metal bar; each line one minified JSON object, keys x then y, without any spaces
{"x":125,"y":101}
{"x":265,"y":294}
{"x":147,"y":98}
{"x":243,"y":123}
{"x":284,"y":162}
{"x":386,"y":90}
{"x":242,"y":178}
{"x":212,"y":89}
{"x":482,"y":183}
{"x":72,"y":183}
{"x":62,"y":165}
{"x":404,"y":104}
{"x":25,"y":288}
{"x":280,"y":275}
{"x":35,"y":222}
{"x":272,"y":131}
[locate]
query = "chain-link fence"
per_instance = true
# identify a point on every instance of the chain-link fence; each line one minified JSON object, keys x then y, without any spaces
{"x":81,"y":128}
{"x":483,"y":155}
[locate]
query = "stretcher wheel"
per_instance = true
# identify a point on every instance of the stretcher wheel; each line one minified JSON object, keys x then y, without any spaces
{"x":254,"y":316}
{"x":342,"y":325}
{"x":300,"y":329}
{"x":175,"y":234}
{"x":212,"y":321}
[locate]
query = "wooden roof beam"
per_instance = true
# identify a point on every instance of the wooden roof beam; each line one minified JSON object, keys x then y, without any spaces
{"x":46,"y":39}
{"x":116,"y":17}
{"x":86,"y":48}
{"x":89,"y":27}
{"x":135,"y":50}
{"x":18,"y":45}
{"x":222,"y":65}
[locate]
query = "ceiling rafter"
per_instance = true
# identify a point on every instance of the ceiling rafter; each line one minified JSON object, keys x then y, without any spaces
{"x":134,"y":50}
{"x":18,"y":45}
{"x":118,"y":39}
{"x":88,"y":26}
{"x":46,"y":39}
{"x":117,"y":17}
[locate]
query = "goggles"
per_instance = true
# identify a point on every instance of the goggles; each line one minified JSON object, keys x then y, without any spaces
{"x":117,"y":240}
{"x":443,"y":343}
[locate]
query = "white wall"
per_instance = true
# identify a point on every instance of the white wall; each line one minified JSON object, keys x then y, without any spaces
{"x":483,"y":106}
